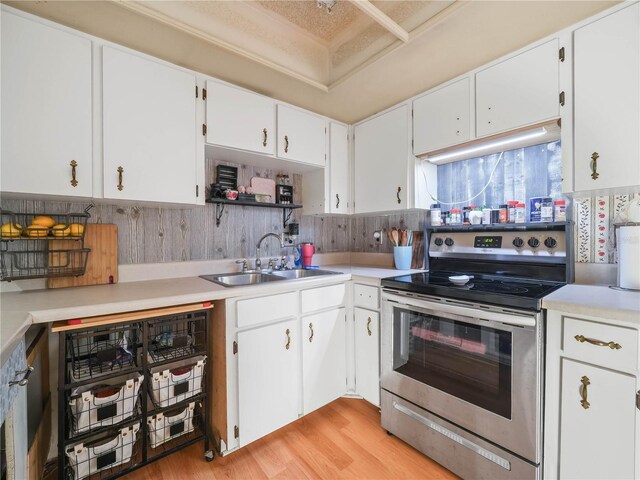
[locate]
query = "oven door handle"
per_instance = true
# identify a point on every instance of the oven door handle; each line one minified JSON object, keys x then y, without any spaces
{"x":508,"y":319}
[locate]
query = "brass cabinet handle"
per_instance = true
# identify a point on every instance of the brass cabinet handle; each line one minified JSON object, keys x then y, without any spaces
{"x":120,"y":172}
{"x":398,"y":194}
{"x":583,"y":392}
{"x":74,"y":182}
{"x":286,"y":144}
{"x":311,"y":328}
{"x":288,"y":333}
{"x":337,"y":200}
{"x":264,"y":137}
{"x":594,"y":165}
{"x":599,"y":343}
{"x":369,"y":326}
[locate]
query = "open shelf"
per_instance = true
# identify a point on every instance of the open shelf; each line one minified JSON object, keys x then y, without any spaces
{"x":221,"y":203}
{"x":500,"y":227}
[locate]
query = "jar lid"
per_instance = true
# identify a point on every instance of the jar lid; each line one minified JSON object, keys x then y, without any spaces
{"x":504,"y":206}
{"x":512,"y":202}
{"x":455,"y":210}
{"x":560,"y":202}
{"x":435,"y":205}
{"x":520,"y":205}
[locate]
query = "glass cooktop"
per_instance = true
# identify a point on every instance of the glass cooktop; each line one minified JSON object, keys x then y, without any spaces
{"x":493,"y":289}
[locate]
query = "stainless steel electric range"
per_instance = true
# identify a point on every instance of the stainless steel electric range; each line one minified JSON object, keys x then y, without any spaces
{"x":462,"y":364}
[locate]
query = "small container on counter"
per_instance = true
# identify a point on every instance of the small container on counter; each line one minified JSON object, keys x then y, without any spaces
{"x":446,"y":218}
{"x":436,"y":215}
{"x":475,"y":216}
{"x":546,"y":211}
{"x":511,"y":214}
{"x":503,"y":214}
{"x":560,"y":210}
{"x":495,"y":216}
{"x":521,"y":213}
{"x":455,"y":217}
{"x":486,"y":216}
{"x":465,"y":215}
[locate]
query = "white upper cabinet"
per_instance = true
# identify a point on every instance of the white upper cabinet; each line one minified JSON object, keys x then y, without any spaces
{"x":442,"y":118}
{"x":149,"y":125}
{"x":301,"y":136}
{"x":381,"y":162}
{"x":240,"y":119}
{"x":519,"y":91}
{"x":338,"y":168}
{"x":46,"y":109}
{"x":607,"y":101}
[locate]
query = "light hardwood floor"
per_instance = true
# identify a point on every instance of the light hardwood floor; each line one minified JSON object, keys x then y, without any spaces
{"x":341,"y":440}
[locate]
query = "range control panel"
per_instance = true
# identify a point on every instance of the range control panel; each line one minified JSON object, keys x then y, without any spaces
{"x":529,"y":243}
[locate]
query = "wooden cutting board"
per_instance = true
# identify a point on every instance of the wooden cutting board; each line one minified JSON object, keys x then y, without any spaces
{"x":102,"y":262}
{"x":417,"y":254}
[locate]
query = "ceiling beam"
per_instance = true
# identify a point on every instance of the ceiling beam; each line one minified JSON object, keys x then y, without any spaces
{"x":382,"y":18}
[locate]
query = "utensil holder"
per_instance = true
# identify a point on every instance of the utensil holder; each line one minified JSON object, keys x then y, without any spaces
{"x":402,"y":257}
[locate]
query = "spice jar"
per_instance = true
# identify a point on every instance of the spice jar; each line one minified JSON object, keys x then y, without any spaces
{"x":455,"y":217}
{"x":465,"y":215}
{"x":560,"y":210}
{"x":503,"y":214}
{"x":521,"y":213}
{"x":475,"y":217}
{"x":436,"y":215}
{"x":486,"y":216}
{"x":511,"y":214}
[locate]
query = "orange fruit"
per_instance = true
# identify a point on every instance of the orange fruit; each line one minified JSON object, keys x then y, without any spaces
{"x":61,"y":230}
{"x":77,"y":229}
{"x":37,"y":231}
{"x":11,"y":230}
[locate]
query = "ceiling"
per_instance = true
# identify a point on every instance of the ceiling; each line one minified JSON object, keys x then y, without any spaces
{"x":297,"y":37}
{"x":345,"y":65}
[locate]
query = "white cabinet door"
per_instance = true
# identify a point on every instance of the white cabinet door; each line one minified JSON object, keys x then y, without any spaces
{"x":381,"y":162}
{"x":599,"y":441}
{"x":367,"y":346}
{"x":46,"y":109}
{"x":268,"y":379}
{"x":520,"y":91}
{"x":339,"y":168}
{"x":324,"y":358}
{"x":301,"y":136}
{"x":149,"y":125}
{"x":442,"y":118}
{"x":241,"y":119}
{"x":607,"y":101}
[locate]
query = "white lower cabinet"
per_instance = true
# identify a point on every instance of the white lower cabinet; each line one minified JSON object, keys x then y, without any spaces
{"x":367,"y":354}
{"x":592,"y":398}
{"x":268,"y":379}
{"x":598,"y":428}
{"x":324,"y":366}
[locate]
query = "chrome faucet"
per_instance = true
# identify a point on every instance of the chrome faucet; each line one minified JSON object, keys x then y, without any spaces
{"x":270,"y":234}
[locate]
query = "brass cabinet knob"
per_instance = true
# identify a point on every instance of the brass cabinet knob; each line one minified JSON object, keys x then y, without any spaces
{"x":120,"y":172}
{"x":288,"y":334}
{"x":264,"y":137}
{"x":369,"y":326}
{"x":583,"y":392}
{"x":594,"y":165}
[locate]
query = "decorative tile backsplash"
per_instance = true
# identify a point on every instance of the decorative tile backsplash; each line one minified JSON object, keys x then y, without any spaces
{"x":594,"y":233}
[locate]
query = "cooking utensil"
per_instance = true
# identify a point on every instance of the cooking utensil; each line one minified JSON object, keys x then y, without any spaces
{"x":394,"y":236}
{"x":403,"y":238}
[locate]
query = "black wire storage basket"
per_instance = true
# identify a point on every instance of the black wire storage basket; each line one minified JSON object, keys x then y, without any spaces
{"x":102,"y":351}
{"x":42,"y":245}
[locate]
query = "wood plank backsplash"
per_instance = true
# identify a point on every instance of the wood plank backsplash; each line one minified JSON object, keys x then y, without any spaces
{"x":153,"y":234}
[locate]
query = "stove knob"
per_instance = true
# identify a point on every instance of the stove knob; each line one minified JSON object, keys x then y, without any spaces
{"x":438,"y":242}
{"x":533,"y":242}
{"x":448,"y":242}
{"x":550,"y":242}
{"x":518,"y":242}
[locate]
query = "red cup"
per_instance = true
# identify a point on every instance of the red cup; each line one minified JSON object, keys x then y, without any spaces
{"x":307,"y":250}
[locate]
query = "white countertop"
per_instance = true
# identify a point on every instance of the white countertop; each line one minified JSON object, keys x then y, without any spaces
{"x":597,"y":301}
{"x":19,"y":310}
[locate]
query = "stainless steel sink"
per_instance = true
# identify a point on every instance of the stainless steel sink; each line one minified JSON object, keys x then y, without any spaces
{"x":241,"y":278}
{"x":292,"y":274}
{"x":254,"y":278}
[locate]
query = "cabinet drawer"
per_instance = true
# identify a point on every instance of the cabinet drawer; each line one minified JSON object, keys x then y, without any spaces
{"x":366,"y":296}
{"x":593,"y":342}
{"x":265,"y":309}
{"x":323,"y":297}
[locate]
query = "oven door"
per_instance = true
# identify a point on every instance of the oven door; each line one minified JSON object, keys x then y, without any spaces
{"x":475,"y":366}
